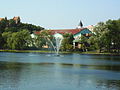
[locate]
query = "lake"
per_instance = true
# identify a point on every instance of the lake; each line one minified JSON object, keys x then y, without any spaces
{"x":39,"y":71}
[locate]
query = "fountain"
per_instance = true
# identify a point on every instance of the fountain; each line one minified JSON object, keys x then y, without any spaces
{"x":58,"y":40}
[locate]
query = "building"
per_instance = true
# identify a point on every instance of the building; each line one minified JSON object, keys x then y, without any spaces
{"x":2,"y":19}
{"x":90,"y":27}
{"x":16,"y":19}
{"x":77,"y":33}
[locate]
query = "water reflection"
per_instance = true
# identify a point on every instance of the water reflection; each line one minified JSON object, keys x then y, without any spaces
{"x":69,"y":72}
{"x":9,"y":76}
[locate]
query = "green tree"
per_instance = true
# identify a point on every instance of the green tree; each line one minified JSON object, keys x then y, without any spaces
{"x":93,"y":43}
{"x":39,"y":41}
{"x":12,"y":23}
{"x":99,"y":39}
{"x":29,"y":27}
{"x":106,"y":36}
{"x":83,"y":42}
{"x":11,"y":29}
{"x":17,"y":40}
{"x":16,"y":35}
{"x":67,"y":42}
{"x":6,"y":36}
{"x":1,"y":41}
{"x":3,"y":25}
{"x":23,"y":39}
{"x":114,"y":34}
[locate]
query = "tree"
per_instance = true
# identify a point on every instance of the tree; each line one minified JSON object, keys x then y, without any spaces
{"x":67,"y":42}
{"x":21,"y":39}
{"x":106,"y":36}
{"x":29,"y":27}
{"x":6,"y":36}
{"x":12,"y":23}
{"x":69,"y":36}
{"x":83,"y":42}
{"x":16,"y":35}
{"x":11,"y":29}
{"x":99,"y":38}
{"x":3,"y":25}
{"x":17,"y":40}
{"x":114,"y":33}
{"x":1,"y":41}
{"x":13,"y":26}
{"x":93,"y":42}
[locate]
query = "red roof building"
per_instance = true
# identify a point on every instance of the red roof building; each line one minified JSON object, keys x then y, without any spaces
{"x":63,"y":31}
{"x":76,"y":34}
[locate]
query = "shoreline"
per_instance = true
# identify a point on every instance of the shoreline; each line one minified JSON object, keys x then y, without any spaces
{"x":63,"y":52}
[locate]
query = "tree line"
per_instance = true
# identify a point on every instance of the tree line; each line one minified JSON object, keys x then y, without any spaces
{"x":106,"y":37}
{"x":16,"y":35}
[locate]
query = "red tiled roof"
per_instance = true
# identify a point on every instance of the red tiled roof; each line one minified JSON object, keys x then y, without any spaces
{"x":62,"y":31}
{"x":37,"y":32}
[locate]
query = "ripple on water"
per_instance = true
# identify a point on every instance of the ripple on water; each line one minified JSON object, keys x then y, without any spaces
{"x":35,"y":71}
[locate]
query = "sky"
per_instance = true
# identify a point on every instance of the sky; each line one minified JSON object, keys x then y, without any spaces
{"x":61,"y":14}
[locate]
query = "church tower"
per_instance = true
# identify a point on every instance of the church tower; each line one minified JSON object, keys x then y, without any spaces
{"x":80,"y":25}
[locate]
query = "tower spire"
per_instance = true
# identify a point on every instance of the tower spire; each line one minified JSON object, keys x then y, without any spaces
{"x":80,"y":24}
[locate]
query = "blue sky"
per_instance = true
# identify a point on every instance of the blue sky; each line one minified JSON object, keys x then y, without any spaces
{"x":59,"y":14}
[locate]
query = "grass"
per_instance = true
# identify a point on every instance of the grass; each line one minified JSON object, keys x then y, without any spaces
{"x":98,"y":53}
{"x":24,"y":51}
{"x":65,"y":52}
{"x":27,"y":51}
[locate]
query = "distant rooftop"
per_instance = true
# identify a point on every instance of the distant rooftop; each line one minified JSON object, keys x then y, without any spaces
{"x":62,"y":31}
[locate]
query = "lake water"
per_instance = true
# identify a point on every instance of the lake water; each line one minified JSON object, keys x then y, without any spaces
{"x":36,"y":71}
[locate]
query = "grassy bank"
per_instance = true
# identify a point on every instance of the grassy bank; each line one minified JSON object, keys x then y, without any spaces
{"x":30,"y":51}
{"x":98,"y":53}
{"x":41,"y":51}
{"x":24,"y":51}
